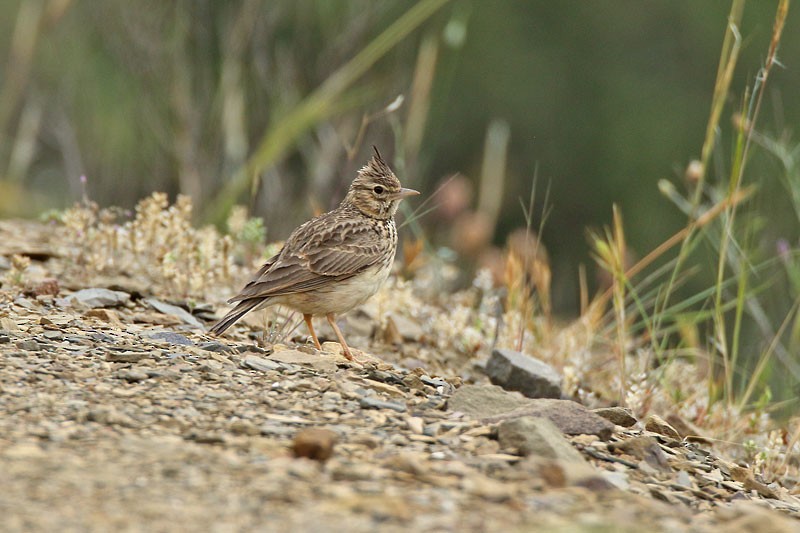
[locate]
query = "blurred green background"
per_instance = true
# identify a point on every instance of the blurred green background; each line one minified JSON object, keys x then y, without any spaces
{"x":203,"y":96}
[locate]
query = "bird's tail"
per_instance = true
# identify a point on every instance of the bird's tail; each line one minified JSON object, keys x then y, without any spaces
{"x":241,"y":309}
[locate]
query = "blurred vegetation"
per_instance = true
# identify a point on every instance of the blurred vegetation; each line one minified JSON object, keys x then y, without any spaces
{"x":262,"y":102}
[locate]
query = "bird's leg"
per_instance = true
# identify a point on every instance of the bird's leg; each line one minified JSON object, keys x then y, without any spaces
{"x":307,"y":318}
{"x":345,"y":348}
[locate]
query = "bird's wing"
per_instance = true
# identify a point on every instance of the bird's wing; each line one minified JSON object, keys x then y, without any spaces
{"x":328,"y":248}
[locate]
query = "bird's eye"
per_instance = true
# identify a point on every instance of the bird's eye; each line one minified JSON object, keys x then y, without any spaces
{"x":378,"y":189}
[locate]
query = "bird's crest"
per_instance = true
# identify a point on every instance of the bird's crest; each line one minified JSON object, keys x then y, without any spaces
{"x":376,"y":166}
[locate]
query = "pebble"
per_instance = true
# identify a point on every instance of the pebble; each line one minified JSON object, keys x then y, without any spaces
{"x":132,"y":375}
{"x":521,"y":372}
{"x":368,"y":402}
{"x":99,"y":297}
{"x":171,"y":337}
{"x":537,"y":436}
{"x":126,"y":357}
{"x":620,"y":416}
{"x":314,"y":443}
{"x":29,"y":345}
{"x":179,"y":312}
{"x":656,"y":424}
{"x":164,"y":432}
{"x":481,"y":401}
{"x":214,"y":346}
{"x":255,"y":362}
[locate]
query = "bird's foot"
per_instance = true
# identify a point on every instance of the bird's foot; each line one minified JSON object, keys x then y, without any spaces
{"x":345,"y":351}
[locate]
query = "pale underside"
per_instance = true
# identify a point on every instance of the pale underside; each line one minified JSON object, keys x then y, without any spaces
{"x":335,"y":298}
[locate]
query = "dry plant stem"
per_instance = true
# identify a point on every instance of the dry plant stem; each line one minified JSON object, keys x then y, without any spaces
{"x":765,"y":356}
{"x":737,"y":175}
{"x":618,"y":286}
{"x":680,"y":236}
{"x":493,"y":171}
{"x":420,"y":94}
{"x":727,"y":63}
{"x":20,"y":58}
{"x":584,"y":288}
{"x":321,"y":103}
{"x":790,"y":446}
{"x":367,"y":119}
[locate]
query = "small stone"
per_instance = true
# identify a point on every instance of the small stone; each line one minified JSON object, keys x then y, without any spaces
{"x":324,"y":361}
{"x":313,"y":443}
{"x":416,"y":425}
{"x":179,"y":312}
{"x":46,"y":287}
{"x":487,"y":488}
{"x":7,"y":324}
{"x":294,"y":357}
{"x":656,"y":424}
{"x":390,"y":334}
{"x":106,"y":315}
{"x":132,"y":375}
{"x":171,"y":337}
{"x":745,"y":477}
{"x":406,"y":462}
{"x":520,"y":372}
{"x":207,"y":438}
{"x":29,"y":345}
{"x":413,"y":381}
{"x":620,"y":416}
{"x":98,"y":297}
{"x":243,"y":427}
{"x":537,"y":436}
{"x":687,"y":430}
{"x":645,"y":449}
{"x":4,"y":339}
{"x":126,"y":357}
{"x":95,"y":336}
{"x":368,"y":402}
{"x":683,"y":479}
{"x":261,"y":364}
{"x":618,"y":479}
{"x":559,"y":473}
{"x":214,"y":346}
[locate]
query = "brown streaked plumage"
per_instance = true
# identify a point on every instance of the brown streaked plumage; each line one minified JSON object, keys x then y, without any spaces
{"x":335,"y":261}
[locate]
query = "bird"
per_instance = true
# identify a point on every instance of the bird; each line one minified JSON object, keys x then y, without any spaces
{"x":335,"y":261}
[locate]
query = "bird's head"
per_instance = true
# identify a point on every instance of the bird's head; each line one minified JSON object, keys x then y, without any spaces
{"x":376,"y":191}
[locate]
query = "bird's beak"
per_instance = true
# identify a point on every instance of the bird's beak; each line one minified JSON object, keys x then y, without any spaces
{"x":403,"y":193}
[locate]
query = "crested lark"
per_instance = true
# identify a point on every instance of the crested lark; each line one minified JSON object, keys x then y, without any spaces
{"x":335,"y":261}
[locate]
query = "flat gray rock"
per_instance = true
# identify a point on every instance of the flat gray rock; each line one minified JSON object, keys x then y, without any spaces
{"x":537,"y":436}
{"x":570,"y":417}
{"x":259,"y":363}
{"x":168,"y":309}
{"x":517,"y":371}
{"x":98,"y":297}
{"x":170,"y":337}
{"x":620,"y":416}
{"x":481,"y":401}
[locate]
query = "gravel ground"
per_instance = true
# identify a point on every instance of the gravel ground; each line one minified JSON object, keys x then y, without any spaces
{"x":117,"y":413}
